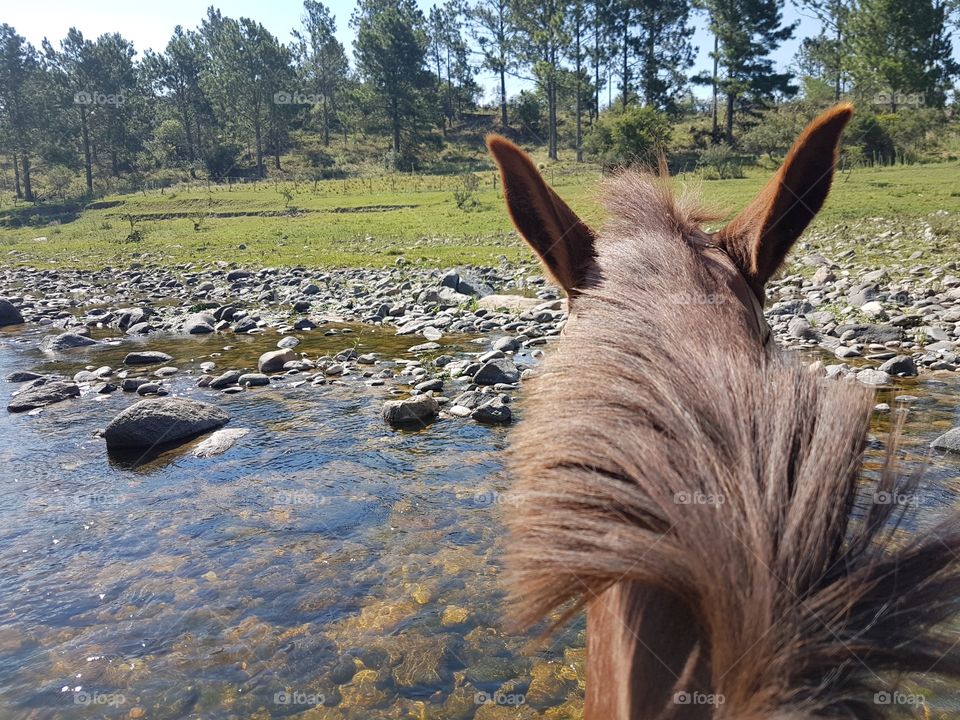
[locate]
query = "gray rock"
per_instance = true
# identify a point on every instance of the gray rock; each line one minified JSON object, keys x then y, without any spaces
{"x":151,"y":388}
{"x":235,"y":275}
{"x":22,"y":376}
{"x":274,"y":360}
{"x":949,"y":441}
{"x":494,"y":412}
{"x":66,"y":341}
{"x":416,"y":410}
{"x":132,"y":384}
{"x":497,"y":371}
{"x":873,"y":377}
{"x":9,"y":315}
{"x":879,"y":334}
{"x":902,"y":365}
{"x":42,"y":395}
{"x":288,"y":342}
{"x":199,"y":324}
{"x":506,"y":344}
{"x":146,"y":357}
{"x":436,"y":384}
{"x":253,"y":379}
{"x":162,"y":421}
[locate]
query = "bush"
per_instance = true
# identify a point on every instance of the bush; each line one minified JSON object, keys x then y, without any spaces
{"x":526,"y":110}
{"x":221,"y":160}
{"x":626,"y":137}
{"x":888,"y":138}
{"x":721,"y":162}
{"x":464,"y":193}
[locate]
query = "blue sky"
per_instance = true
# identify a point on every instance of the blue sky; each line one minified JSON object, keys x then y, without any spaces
{"x":150,"y":24}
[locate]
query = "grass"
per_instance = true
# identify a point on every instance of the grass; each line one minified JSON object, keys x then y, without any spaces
{"x":369,"y":222}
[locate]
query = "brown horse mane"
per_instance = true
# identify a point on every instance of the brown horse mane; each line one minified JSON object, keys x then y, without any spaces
{"x":660,"y":445}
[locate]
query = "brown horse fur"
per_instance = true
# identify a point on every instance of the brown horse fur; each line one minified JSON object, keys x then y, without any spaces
{"x":704,"y":497}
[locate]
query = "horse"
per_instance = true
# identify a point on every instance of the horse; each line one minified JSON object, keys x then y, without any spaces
{"x":699,"y":492}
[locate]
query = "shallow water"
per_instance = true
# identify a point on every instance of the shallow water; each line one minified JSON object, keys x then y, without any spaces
{"x":325,"y":566}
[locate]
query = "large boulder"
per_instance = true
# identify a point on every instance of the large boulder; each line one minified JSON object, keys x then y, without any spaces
{"x":9,"y":315}
{"x":162,"y":421}
{"x":417,"y":410}
{"x":41,"y":395}
{"x":65,"y":341}
{"x":274,"y":360}
{"x":871,"y":333}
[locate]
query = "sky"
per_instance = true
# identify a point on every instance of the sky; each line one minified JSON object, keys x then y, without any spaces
{"x":150,"y":24}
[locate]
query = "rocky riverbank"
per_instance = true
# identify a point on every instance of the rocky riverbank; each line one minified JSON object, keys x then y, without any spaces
{"x":876,"y":326}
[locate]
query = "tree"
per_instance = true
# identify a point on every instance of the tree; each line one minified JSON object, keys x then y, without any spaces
{"x":322,"y":60}
{"x":21,"y":104}
{"x":830,"y":49}
{"x":545,"y":34}
{"x":495,"y":34}
{"x":178,"y":71}
{"x":391,"y":50}
{"x":902,"y":47}
{"x":746,"y":32}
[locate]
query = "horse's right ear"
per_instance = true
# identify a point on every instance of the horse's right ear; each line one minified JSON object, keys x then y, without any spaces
{"x":562,"y":241}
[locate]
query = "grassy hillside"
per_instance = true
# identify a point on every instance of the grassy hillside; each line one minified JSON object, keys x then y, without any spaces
{"x":371,"y":221}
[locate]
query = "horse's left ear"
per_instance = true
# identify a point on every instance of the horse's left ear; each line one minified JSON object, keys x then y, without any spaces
{"x":760,"y":236}
{"x":561,"y":240}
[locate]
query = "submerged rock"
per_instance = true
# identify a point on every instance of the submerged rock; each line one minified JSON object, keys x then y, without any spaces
{"x":416,"y":410}
{"x":42,"y":395}
{"x":219,"y":442}
{"x":162,"y":421}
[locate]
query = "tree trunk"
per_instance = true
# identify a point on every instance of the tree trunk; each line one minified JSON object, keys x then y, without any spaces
{"x":731,"y":102}
{"x":188,"y":132}
{"x":503,"y":94}
{"x":27,"y":185}
{"x":258,"y":136}
{"x":626,"y":57}
{"x":396,"y":127}
{"x":552,"y":117}
{"x":326,"y":122}
{"x":579,"y":69}
{"x":16,"y":177}
{"x":87,"y":159}
{"x":838,"y":87}
{"x":715,"y":130}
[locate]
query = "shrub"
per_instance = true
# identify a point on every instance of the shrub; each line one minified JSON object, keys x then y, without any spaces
{"x":721,"y":162}
{"x":527,"y":111}
{"x":464,"y":193}
{"x":626,"y":137}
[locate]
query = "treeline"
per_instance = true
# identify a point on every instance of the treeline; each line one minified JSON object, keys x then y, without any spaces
{"x":229,"y":98}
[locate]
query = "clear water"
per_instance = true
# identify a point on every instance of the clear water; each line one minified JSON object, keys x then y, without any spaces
{"x":326,"y":566}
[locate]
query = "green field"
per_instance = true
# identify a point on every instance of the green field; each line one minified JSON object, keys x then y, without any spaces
{"x":370,"y":222}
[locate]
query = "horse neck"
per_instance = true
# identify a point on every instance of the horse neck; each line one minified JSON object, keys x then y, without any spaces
{"x":639,"y":642}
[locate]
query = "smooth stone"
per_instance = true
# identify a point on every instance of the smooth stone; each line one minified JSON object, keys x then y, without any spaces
{"x":506,"y":344}
{"x":199,"y":324}
{"x":146,"y":357}
{"x":288,"y":342}
{"x":230,"y":377}
{"x":151,"y":388}
{"x":131,"y":384}
{"x":873,"y":377}
{"x":162,"y":421}
{"x":42,"y":395}
{"x":253,"y":379}
{"x":274,"y":360}
{"x":22,"y":376}
{"x":417,"y":409}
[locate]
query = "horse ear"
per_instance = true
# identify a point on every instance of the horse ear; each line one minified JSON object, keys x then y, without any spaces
{"x":562,"y":241}
{"x":760,"y":236}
